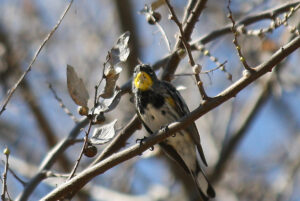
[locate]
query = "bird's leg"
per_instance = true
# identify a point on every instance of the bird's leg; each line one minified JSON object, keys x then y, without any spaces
{"x":166,"y":129}
{"x":141,"y":140}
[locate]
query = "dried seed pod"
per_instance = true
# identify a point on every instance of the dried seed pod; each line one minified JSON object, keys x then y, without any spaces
{"x":100,"y":118}
{"x":197,"y":68}
{"x":90,"y":151}
{"x":83,"y":110}
{"x":153,"y":17}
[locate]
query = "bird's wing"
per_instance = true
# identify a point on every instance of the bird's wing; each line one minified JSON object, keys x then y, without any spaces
{"x":183,"y":109}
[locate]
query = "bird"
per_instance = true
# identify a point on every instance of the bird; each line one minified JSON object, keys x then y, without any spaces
{"x":158,"y":104}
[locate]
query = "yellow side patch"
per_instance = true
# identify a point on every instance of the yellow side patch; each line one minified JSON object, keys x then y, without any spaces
{"x":143,"y":81}
{"x":170,"y":101}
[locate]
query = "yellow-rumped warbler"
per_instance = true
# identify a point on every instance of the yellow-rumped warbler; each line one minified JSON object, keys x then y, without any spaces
{"x":158,"y":103}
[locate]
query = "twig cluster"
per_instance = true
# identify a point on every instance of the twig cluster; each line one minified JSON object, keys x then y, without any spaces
{"x":187,"y":47}
{"x":68,"y":190}
{"x":275,"y":23}
{"x":106,"y":160}
{"x":13,"y":89}
{"x":235,"y":40}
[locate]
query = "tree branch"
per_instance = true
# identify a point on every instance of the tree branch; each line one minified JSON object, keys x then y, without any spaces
{"x":229,"y":148}
{"x":248,"y":20}
{"x":187,"y":32}
{"x":120,"y":141}
{"x":269,"y":14}
{"x":13,"y":89}
{"x":76,"y":183}
{"x":50,"y":159}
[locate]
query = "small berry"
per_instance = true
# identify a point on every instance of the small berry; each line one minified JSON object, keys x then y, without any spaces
{"x":83,"y":110}
{"x":197,"y":68}
{"x":90,"y":151}
{"x":153,"y":18}
{"x":100,"y":118}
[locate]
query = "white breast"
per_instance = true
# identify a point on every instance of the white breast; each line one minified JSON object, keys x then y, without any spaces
{"x":155,"y":119}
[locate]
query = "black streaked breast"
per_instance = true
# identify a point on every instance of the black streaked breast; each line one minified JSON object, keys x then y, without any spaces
{"x":149,"y":97}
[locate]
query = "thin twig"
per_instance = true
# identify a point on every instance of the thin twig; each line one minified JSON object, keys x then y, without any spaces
{"x":192,"y":18}
{"x":217,"y":33}
{"x":235,"y":40}
{"x":203,"y":72}
{"x":231,"y":145}
{"x":246,"y":21}
{"x":182,"y":38}
{"x":188,"y":50}
{"x":149,"y":13}
{"x":17,"y":177}
{"x":81,"y":152}
{"x":120,"y":140}
{"x":50,"y":159}
{"x":52,"y":174}
{"x":62,"y":105}
{"x":211,"y":36}
{"x":214,"y":59}
{"x":91,"y":117}
{"x":13,"y":89}
{"x":175,"y":58}
{"x":163,"y":33}
{"x":4,"y":176}
{"x":187,"y":12}
{"x":101,"y":80}
{"x":75,"y":184}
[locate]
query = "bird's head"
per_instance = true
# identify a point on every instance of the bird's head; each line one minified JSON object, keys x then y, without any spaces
{"x":143,"y":77}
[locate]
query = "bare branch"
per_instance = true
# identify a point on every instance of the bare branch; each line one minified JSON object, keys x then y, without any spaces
{"x":62,"y":105}
{"x":4,"y":175}
{"x":175,"y":58}
{"x":76,"y":183}
{"x":229,"y":148}
{"x":13,"y":89}
{"x":50,"y":159}
{"x":235,"y":40}
{"x":248,"y":20}
{"x":120,"y":141}
{"x":82,"y":149}
{"x":188,"y":50}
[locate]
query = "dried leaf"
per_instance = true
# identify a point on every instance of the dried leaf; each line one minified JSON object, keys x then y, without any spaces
{"x":103,"y":134}
{"x":109,"y":104}
{"x":111,"y":77}
{"x":118,"y":54}
{"x":76,"y":87}
{"x":120,"y":51}
{"x":157,"y":3}
{"x":112,"y":102}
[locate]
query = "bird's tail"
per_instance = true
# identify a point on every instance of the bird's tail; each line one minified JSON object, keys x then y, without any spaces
{"x":205,"y":189}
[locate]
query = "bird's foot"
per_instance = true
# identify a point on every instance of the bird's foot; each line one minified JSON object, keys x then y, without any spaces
{"x":142,"y":140}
